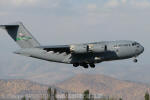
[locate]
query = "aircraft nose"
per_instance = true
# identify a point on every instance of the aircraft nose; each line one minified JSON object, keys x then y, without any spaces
{"x":142,"y":49}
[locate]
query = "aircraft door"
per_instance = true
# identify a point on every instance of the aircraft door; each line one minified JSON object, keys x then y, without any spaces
{"x":105,"y":47}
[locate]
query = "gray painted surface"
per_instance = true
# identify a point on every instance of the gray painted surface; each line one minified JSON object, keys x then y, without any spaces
{"x":78,"y":54}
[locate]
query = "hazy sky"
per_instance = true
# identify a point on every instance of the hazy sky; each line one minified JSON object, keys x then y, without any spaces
{"x":79,"y":21}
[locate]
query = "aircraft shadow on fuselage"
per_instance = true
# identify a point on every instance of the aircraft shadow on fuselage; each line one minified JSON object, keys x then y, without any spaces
{"x":83,"y":58}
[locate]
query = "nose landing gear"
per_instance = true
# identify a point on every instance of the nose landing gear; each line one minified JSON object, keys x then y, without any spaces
{"x":135,"y":60}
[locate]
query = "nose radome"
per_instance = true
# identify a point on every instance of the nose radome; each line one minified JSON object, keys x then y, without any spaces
{"x":142,"y":50}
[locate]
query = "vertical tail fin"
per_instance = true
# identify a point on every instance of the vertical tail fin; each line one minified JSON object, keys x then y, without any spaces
{"x":21,"y":35}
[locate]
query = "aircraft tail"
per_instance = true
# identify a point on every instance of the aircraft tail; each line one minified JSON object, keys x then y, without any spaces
{"x":21,"y":35}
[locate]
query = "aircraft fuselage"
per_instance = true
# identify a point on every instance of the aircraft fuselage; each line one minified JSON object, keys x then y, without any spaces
{"x":76,"y":54}
{"x":84,"y":55}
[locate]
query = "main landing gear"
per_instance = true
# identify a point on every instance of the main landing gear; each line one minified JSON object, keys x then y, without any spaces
{"x":92,"y":65}
{"x":76,"y":65}
{"x":84,"y":65}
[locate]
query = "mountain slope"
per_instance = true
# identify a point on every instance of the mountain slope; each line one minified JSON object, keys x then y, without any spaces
{"x":105,"y":85}
{"x":14,"y":87}
{"x":101,"y":84}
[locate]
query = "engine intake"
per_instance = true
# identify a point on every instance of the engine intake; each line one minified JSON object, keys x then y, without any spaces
{"x":97,"y":48}
{"x":79,"y":48}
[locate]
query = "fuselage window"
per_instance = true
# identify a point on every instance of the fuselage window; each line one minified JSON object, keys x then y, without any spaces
{"x":122,"y":45}
{"x":135,"y":44}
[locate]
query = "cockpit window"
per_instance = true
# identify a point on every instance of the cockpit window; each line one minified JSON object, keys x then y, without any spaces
{"x":135,"y":43}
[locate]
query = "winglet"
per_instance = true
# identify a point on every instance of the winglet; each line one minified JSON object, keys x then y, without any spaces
{"x":21,"y":35}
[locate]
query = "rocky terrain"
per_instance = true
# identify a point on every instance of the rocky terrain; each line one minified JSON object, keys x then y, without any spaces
{"x":105,"y":85}
{"x":12,"y":88}
{"x":97,"y":84}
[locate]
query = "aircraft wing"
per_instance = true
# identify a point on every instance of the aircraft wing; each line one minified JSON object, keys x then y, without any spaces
{"x":57,"y":48}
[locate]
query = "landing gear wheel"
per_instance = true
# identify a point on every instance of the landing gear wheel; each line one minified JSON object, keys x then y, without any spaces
{"x":135,"y":60}
{"x":76,"y":65}
{"x":92,"y":65}
{"x":85,"y":66}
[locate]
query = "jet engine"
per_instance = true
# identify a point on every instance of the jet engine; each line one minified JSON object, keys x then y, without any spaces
{"x":79,"y":48}
{"x":95,"y":48}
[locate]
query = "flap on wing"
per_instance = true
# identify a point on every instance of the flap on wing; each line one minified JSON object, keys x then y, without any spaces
{"x":57,"y":48}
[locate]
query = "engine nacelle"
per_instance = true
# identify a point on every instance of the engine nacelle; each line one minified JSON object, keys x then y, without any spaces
{"x":96,"y":48}
{"x":79,"y":48}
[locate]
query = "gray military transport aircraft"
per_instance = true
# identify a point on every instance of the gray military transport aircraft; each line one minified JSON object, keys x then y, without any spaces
{"x":87,"y":54}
